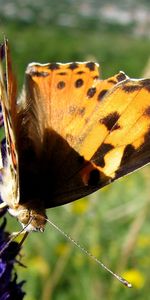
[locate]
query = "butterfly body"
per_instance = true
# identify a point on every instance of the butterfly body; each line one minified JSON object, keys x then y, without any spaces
{"x":69,"y":134}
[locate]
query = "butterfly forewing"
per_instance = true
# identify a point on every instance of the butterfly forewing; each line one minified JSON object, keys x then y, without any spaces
{"x":80,"y":124}
{"x":71,"y":133}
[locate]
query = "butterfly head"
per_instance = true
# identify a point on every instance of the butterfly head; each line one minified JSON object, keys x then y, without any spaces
{"x":31,"y":219}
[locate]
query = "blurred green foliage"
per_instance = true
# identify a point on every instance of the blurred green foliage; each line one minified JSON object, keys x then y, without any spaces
{"x":113,"y":50}
{"x":113,"y":223}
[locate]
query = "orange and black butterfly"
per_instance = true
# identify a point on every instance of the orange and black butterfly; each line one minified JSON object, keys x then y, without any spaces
{"x":68,"y":134}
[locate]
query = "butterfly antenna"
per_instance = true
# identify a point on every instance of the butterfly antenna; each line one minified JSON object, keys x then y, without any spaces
{"x":68,"y":237}
{"x":14,"y":236}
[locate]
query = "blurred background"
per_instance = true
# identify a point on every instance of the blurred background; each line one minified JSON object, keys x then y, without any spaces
{"x":113,"y":223}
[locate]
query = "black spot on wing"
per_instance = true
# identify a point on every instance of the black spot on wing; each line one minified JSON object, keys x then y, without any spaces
{"x":146,"y":84}
{"x":112,"y":81}
{"x":73,"y":66}
{"x":96,"y":77}
{"x":128,"y":152}
{"x":94,"y":177}
{"x":134,"y":158}
{"x":99,"y":155}
{"x":62,"y":73}
{"x":101,"y":95}
{"x":91,"y":92}
{"x":61,"y":85}
{"x":79,"y":82}
{"x":39,"y":74}
{"x":53,"y":66}
{"x":80,"y":72}
{"x":143,"y":149}
{"x":131,"y":88}
{"x":91,"y":66}
{"x":110,"y":120}
{"x":121,"y":76}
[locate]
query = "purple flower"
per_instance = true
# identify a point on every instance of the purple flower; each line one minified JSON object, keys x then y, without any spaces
{"x":9,"y":288}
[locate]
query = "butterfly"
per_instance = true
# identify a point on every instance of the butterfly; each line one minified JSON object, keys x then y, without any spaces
{"x":69,"y":134}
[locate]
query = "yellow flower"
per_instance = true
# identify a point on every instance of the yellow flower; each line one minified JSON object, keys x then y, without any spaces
{"x":135,"y":277}
{"x":80,"y":207}
{"x":38,"y":264}
{"x":143,"y":241}
{"x":62,"y":248}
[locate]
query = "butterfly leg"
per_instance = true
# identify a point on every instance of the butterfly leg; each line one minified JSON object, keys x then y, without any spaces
{"x":24,"y":237}
{"x":16,"y":234}
{"x":12,"y":238}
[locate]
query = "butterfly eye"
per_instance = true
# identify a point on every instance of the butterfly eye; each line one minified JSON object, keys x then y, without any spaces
{"x":24,"y":216}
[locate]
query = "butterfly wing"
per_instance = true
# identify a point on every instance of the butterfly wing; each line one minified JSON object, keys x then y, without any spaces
{"x":2,"y":135}
{"x":91,"y":131}
{"x":129,"y":136}
{"x":8,"y":103}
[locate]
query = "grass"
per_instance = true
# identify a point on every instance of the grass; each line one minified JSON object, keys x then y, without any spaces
{"x":113,"y":223}
{"x":114,"y":51}
{"x":115,"y":230}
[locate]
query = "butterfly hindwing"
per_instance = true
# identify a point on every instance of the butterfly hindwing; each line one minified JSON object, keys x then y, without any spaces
{"x":8,"y":103}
